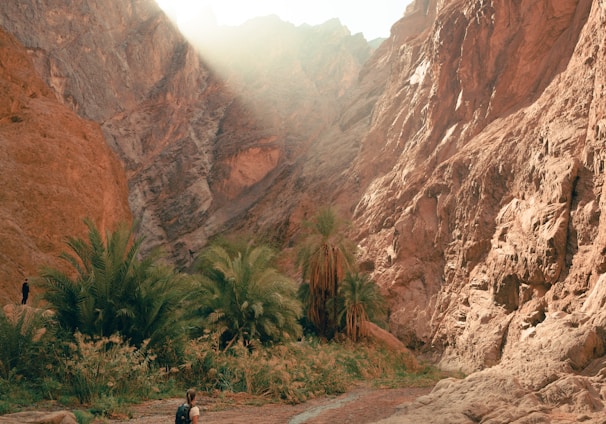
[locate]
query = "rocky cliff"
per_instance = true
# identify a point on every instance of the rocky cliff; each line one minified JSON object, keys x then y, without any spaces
{"x":124,"y":66}
{"x":55,"y":169}
{"x":481,"y":212}
{"x":198,"y":153}
{"x":488,"y":194}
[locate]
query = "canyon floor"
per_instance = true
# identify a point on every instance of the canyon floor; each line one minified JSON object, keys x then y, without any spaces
{"x":360,"y":405}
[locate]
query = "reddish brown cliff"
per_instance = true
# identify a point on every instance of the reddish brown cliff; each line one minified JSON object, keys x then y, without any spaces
{"x":123,"y":65}
{"x":483,"y":182}
{"x":489,"y":184}
{"x":186,"y":140}
{"x":55,"y":170}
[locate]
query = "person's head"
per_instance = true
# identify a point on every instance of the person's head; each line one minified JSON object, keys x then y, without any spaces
{"x":190,"y":395}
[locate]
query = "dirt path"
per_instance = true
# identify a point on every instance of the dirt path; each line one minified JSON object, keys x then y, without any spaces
{"x":359,"y":406}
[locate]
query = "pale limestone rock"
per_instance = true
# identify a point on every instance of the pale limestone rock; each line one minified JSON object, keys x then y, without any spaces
{"x":34,"y":417}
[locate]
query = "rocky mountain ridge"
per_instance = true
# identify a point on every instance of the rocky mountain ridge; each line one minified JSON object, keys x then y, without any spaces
{"x":196,"y":155}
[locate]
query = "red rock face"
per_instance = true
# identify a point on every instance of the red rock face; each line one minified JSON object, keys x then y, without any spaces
{"x":497,"y":189}
{"x":56,"y":170}
{"x":185,"y":139}
{"x":484,"y":220}
{"x":487,"y":209}
{"x":123,"y":65}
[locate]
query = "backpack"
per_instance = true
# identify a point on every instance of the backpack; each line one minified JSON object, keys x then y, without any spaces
{"x":182,"y":416}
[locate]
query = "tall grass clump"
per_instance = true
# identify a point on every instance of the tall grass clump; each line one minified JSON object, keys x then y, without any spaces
{"x":290,"y":372}
{"x":105,"y":368}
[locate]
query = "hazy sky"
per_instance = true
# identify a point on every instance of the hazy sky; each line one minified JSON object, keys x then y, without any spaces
{"x":373,"y":18}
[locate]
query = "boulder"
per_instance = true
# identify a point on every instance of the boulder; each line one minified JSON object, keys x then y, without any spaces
{"x":34,"y":417}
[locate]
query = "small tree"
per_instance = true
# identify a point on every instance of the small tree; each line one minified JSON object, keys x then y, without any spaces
{"x":324,"y":258}
{"x":113,"y":292}
{"x":361,"y":301}
{"x":244,"y":298}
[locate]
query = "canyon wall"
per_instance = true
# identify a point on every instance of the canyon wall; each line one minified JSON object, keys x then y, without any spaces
{"x":55,"y":169}
{"x":124,"y":66}
{"x":484,"y":221}
{"x":487,"y":206}
{"x":200,"y":146}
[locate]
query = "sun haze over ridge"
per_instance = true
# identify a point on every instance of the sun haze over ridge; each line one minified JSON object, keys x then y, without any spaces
{"x":372,"y":18}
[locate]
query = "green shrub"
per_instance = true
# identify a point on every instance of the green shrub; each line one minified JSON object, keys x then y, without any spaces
{"x":50,"y":387}
{"x":83,"y":417}
{"x":24,"y":341}
{"x":244,"y":298}
{"x":17,"y":393}
{"x":5,"y":407}
{"x":109,"y":406}
{"x":113,"y":291}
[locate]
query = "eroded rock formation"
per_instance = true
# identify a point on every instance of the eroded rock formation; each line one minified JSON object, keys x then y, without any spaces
{"x":496,"y":207}
{"x":197,"y":154}
{"x":32,"y":417}
{"x":123,"y":65}
{"x":485,"y":223}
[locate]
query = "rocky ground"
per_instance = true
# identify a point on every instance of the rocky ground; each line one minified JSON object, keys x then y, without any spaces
{"x":362,"y":405}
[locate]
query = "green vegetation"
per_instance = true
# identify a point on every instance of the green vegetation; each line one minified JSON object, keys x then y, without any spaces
{"x":324,"y":257}
{"x":121,"y":328}
{"x":24,"y":338}
{"x":243,"y":298}
{"x":116,"y":293}
{"x":295,"y":371}
{"x":361,"y":302}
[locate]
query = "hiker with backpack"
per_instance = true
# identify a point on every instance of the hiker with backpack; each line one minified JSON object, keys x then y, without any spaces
{"x":188,"y":412}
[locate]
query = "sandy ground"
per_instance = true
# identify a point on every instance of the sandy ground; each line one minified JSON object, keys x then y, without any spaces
{"x":359,"y":406}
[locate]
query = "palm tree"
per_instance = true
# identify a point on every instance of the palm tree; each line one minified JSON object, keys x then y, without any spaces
{"x":159,"y":305}
{"x":324,"y":258}
{"x":244,"y":298}
{"x":361,"y":301}
{"x":115,"y":292}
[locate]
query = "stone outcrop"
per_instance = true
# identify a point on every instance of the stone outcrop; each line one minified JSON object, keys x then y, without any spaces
{"x":124,"y":66}
{"x":384,"y":338}
{"x":489,"y":214}
{"x":32,"y":417}
{"x":55,"y":169}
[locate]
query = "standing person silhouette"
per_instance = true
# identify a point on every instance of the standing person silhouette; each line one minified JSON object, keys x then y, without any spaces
{"x":25,"y":292}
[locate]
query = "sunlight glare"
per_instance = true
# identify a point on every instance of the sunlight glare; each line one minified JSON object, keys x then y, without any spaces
{"x":371,"y":17}
{"x":183,"y":11}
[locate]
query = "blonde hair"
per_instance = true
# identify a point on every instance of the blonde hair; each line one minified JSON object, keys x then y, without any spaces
{"x":190,"y":395}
